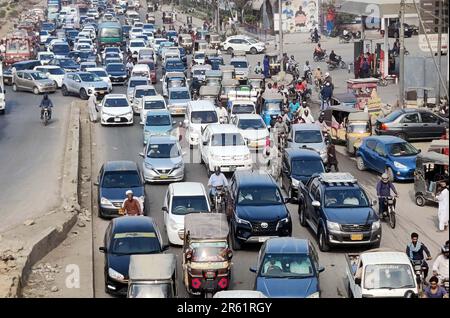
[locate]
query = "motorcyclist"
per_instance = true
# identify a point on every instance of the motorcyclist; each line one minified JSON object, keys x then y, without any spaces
{"x":131,"y":204}
{"x":434,"y":290}
{"x":384,"y":187}
{"x":222,"y":113}
{"x":294,"y":105}
{"x":334,"y":58}
{"x":281,"y":129}
{"x":318,"y":51}
{"x":322,"y":124}
{"x":315,"y":35}
{"x":306,"y":70}
{"x":217,"y":179}
{"x":46,"y":103}
{"x":291,"y":64}
{"x":304,"y":107}
{"x":285,"y":61}
{"x":440,"y":265}
{"x":325,"y":96}
{"x":415,"y":251}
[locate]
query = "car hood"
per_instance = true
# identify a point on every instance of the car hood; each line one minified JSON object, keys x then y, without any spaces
{"x":351,"y":216}
{"x":158,"y":129}
{"x":178,"y":101}
{"x":164,"y":164}
{"x":254,"y":134}
{"x":117,"y":194}
{"x":116,"y":110}
{"x":287,"y":287}
{"x":229,"y":150}
{"x":266,"y":213}
{"x":117,"y":73}
{"x":101,"y":84}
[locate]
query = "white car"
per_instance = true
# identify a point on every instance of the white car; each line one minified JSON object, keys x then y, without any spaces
{"x":100,"y":72}
{"x":135,"y":46}
{"x":241,"y":67}
{"x":116,"y":110}
{"x":199,"y":114}
{"x":199,"y":58}
{"x":149,"y":103}
{"x":43,"y":36}
{"x":45,"y":57}
{"x":182,"y":198}
{"x":253,"y":129}
{"x":243,"y":43}
{"x":138,"y":93}
{"x":222,"y":145}
{"x":53,"y":72}
{"x":112,"y":49}
{"x":135,"y":32}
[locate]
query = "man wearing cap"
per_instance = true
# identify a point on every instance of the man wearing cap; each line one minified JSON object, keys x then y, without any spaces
{"x":131,"y":204}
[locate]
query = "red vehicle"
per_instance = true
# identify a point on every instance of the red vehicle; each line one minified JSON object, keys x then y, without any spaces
{"x":19,"y":47}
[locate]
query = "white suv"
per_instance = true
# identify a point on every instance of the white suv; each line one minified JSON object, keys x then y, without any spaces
{"x":243,"y":43}
{"x":222,"y":145}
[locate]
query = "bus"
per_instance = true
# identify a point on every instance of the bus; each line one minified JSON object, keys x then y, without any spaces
{"x":109,"y":34}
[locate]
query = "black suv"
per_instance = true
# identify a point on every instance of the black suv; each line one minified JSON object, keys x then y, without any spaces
{"x":256,"y":209}
{"x":338,"y":211}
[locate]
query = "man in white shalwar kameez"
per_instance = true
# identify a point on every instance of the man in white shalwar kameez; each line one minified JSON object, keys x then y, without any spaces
{"x":443,"y":207}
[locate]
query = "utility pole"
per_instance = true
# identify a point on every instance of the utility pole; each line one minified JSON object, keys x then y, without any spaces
{"x":440,"y":25}
{"x":280,"y":33}
{"x":401,"y":86}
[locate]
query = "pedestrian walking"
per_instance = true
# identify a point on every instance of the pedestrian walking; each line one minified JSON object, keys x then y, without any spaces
{"x":331,"y":157}
{"x":443,"y":206}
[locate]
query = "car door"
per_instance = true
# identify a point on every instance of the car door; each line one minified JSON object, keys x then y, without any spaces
{"x":76,"y":83}
{"x":69,"y":82}
{"x":206,"y":145}
{"x":379,"y":157}
{"x":166,"y":205}
{"x":368,"y":153}
{"x":410,"y":125}
{"x":315,"y":195}
{"x":27,"y":83}
{"x":231,"y":199}
{"x":18,"y":80}
{"x":431,"y":125}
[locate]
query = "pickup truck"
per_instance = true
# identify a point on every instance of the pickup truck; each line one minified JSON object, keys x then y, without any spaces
{"x":380,"y":273}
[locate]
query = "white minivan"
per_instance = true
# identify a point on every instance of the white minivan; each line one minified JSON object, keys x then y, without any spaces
{"x":182,"y":198}
{"x":199,"y":114}
{"x":141,"y":70}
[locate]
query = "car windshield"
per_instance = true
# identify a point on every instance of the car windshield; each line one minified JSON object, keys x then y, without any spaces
{"x":130,"y":243}
{"x":144,"y":92}
{"x":56,"y":71}
{"x":199,"y":56}
{"x":243,"y":109}
{"x":100,"y":73}
{"x":46,"y":57}
{"x":158,"y":120}
{"x":89,"y":77}
{"x":259,"y":196}
{"x":239,"y":64}
{"x":38,"y":76}
{"x":61,"y":49}
{"x":68,"y":63}
{"x":162,"y":151}
{"x":176,"y":82}
{"x":209,"y":252}
{"x":402,"y":149}
{"x":204,"y":117}
{"x":160,"y":290}
{"x":121,"y":179}
{"x":182,"y":205}
{"x":287,"y":266}
{"x":137,"y":44}
{"x":392,"y":116}
{"x":306,"y":168}
{"x":134,"y":83}
{"x":345,"y":198}
{"x":110,"y":32}
{"x":388,"y":276}
{"x":358,"y":128}
{"x":272,"y":106}
{"x":308,"y":136}
{"x":179,"y":95}
{"x":251,"y":124}
{"x":115,"y":67}
{"x":116,"y":102}
{"x":154,"y":104}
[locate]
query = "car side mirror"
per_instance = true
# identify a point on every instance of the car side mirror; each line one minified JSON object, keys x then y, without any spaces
{"x":205,"y":143}
{"x":358,"y":281}
{"x":315,"y":204}
{"x":142,"y":154}
{"x":289,"y":139}
{"x":321,"y":269}
{"x":96,"y":183}
{"x":164,"y":209}
{"x":374,"y":202}
{"x":252,"y":269}
{"x":102,"y":249}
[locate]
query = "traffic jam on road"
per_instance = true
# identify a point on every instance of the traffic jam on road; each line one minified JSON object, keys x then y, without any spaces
{"x":230,"y":165}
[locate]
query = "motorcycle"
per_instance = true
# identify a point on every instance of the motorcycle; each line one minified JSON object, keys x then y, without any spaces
{"x":308,"y":77}
{"x":345,"y":38}
{"x":322,"y":57}
{"x":219,"y":199}
{"x":419,"y":270}
{"x":335,"y":64}
{"x":45,"y":115}
{"x":389,"y":213}
{"x":313,"y":38}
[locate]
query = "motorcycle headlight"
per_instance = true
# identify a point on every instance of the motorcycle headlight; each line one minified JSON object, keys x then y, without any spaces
{"x":333,"y":226}
{"x":398,"y":165}
{"x":105,"y":201}
{"x":295,"y":182}
{"x":376,"y":225}
{"x":314,"y":295}
{"x":115,"y":275}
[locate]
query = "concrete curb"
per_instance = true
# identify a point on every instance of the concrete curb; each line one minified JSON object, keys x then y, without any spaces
{"x":20,"y":248}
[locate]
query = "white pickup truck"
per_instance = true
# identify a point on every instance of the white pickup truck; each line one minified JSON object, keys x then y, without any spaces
{"x":380,"y":273}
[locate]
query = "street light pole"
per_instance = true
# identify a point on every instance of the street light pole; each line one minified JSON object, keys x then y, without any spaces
{"x":280,"y":34}
{"x":440,"y":24}
{"x":401,"y":86}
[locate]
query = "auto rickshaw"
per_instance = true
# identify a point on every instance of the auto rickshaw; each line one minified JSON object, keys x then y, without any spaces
{"x":199,"y":72}
{"x":365,"y":91}
{"x":243,"y":92}
{"x":214,"y":40}
{"x":228,"y":72}
{"x":256,"y":82}
{"x":209,"y":93}
{"x":185,"y":41}
{"x":213,"y":78}
{"x":202,"y":34}
{"x":168,"y":17}
{"x":274,"y":63}
{"x":271,"y":107}
{"x":152,"y":276}
{"x":431,"y":168}
{"x":151,"y":7}
{"x":200,"y":45}
{"x":206,"y":253}
{"x":228,"y":85}
{"x":348,"y":126}
{"x":344,"y":99}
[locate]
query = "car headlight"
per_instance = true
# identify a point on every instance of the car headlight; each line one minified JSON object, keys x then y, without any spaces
{"x":148,"y":166}
{"x":114,"y":274}
{"x":333,"y":226}
{"x":178,"y":165}
{"x":295,"y":183}
{"x":398,"y":165}
{"x":105,"y":201}
{"x":376,"y":225}
{"x":314,"y":295}
{"x":128,"y":113}
{"x":241,"y":221}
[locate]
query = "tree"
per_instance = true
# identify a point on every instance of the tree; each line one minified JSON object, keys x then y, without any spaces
{"x":239,"y":6}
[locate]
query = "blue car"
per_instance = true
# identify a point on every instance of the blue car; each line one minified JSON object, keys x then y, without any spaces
{"x":171,"y":35}
{"x":216,"y":62}
{"x":157,"y":123}
{"x":389,"y":154}
{"x":288,"y":268}
{"x":117,"y":73}
{"x":174,"y":65}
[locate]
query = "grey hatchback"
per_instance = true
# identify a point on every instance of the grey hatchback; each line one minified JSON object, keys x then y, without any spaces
{"x":33,"y":81}
{"x":412,"y":123}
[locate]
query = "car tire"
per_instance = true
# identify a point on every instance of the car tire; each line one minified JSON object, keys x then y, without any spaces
{"x":35,"y":90}
{"x":56,"y":84}
{"x":253,"y":51}
{"x":323,"y":244}
{"x":390,"y":173}
{"x":64,"y":91}
{"x":230,"y":50}
{"x":301,"y":214}
{"x":83,"y":94}
{"x":402,"y":136}
{"x":420,"y":200}
{"x":235,"y":244}
{"x":360,"y":163}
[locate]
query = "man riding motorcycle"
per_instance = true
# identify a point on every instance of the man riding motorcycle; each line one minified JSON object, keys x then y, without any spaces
{"x":291,"y":64}
{"x":415,"y":251}
{"x":318,"y":51}
{"x":335,"y":59}
{"x":281,"y":129}
{"x":384,"y":187}
{"x":46,"y":103}
{"x":307,"y":70}
{"x":440,"y":265}
{"x":315,"y":35}
{"x":216,"y":180}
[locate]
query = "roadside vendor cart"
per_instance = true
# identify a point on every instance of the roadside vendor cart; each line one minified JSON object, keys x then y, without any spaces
{"x":365,"y":91}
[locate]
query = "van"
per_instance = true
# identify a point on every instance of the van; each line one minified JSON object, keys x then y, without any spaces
{"x":141,"y":70}
{"x":199,"y":114}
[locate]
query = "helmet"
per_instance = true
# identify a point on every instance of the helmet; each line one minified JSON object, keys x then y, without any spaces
{"x":318,"y":67}
{"x":217,"y":169}
{"x":129,"y":192}
{"x":307,"y":62}
{"x":384,"y":177}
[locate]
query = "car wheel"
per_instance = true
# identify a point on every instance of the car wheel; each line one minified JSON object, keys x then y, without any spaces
{"x":14,"y":87}
{"x":360,"y":163}
{"x":402,"y":136}
{"x":301,"y":212}
{"x":323,"y":244}
{"x":420,"y":200}
{"x":253,"y":51}
{"x":64,"y":91}
{"x":56,"y":84}
{"x":390,"y":173}
{"x":35,"y":90}
{"x":230,"y":50}
{"x":235,"y":244}
{"x":83,"y":94}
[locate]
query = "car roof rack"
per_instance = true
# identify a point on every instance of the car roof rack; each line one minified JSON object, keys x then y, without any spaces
{"x":337,"y":178}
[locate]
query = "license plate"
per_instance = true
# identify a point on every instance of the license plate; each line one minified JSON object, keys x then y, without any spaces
{"x":117,"y":119}
{"x":178,"y":111}
{"x":163,"y":176}
{"x":356,"y":237}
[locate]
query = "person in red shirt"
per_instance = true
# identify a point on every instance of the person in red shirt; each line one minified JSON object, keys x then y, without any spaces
{"x":131,"y":204}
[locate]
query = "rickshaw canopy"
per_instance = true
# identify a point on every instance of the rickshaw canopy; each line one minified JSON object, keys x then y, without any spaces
{"x":230,"y":82}
{"x":438,"y":145}
{"x":358,"y":116}
{"x":213,"y":74}
{"x":209,"y":90}
{"x":152,"y":267}
{"x":206,"y":226}
{"x":344,"y":99}
{"x":432,"y":157}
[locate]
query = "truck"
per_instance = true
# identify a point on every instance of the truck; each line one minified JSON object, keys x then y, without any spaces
{"x":109,"y":34}
{"x":19,"y":47}
{"x":380,"y":273}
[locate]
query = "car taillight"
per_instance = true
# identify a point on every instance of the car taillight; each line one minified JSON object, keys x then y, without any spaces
{"x":384,"y":126}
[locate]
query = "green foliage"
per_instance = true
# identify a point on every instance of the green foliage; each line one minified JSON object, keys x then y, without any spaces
{"x":2,"y":14}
